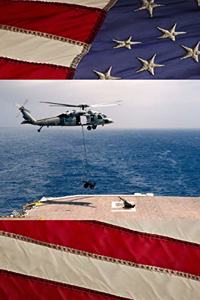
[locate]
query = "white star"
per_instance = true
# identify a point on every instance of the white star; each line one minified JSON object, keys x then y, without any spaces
{"x":106,"y":75}
{"x":126,"y":43}
{"x":171,"y":33}
{"x":192,"y":52}
{"x":149,"y":5}
{"x":148,"y":65}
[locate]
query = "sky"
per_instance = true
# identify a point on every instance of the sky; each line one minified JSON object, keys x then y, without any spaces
{"x":145,"y":104}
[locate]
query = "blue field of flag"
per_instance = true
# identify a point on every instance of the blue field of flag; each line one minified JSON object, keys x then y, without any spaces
{"x":169,"y":42}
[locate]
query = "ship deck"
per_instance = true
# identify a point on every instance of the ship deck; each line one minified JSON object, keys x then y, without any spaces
{"x":107,"y":207}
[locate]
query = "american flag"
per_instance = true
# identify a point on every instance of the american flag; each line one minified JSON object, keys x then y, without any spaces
{"x":87,"y":39}
{"x":76,"y":260}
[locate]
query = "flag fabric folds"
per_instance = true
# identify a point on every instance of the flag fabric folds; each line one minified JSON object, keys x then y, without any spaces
{"x":97,"y":260}
{"x":104,"y":39}
{"x":47,"y":39}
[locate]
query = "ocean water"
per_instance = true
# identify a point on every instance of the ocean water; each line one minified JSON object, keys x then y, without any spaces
{"x":32,"y":165}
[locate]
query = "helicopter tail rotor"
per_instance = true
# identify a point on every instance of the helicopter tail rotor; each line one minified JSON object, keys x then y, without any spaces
{"x":26,"y":114}
{"x":21,"y":107}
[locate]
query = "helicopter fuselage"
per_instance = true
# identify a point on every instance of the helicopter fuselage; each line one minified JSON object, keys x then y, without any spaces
{"x":89,"y":118}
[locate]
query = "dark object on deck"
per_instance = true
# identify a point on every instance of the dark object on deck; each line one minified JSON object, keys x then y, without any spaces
{"x":127,"y":205}
{"x":89,"y":185}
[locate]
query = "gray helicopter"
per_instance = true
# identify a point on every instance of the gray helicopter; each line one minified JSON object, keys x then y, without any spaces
{"x":83,"y":115}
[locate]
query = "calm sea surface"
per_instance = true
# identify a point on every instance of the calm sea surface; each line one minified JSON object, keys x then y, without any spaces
{"x":32,"y":165}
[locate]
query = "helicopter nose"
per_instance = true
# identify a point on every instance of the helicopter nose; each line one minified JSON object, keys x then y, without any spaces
{"x":108,"y":121}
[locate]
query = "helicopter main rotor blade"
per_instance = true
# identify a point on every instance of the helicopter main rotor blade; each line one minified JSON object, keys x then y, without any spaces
{"x":82,"y":106}
{"x":106,"y":104}
{"x":59,"y":104}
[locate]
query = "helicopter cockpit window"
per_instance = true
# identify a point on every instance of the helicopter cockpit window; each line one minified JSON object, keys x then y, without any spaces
{"x":99,"y":117}
{"x":63,"y":115}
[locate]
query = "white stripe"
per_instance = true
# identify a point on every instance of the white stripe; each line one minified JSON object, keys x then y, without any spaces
{"x":181,"y":229}
{"x":125,"y":281}
{"x":89,"y":3}
{"x":32,"y":48}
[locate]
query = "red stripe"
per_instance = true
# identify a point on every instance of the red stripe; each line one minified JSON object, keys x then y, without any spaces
{"x":69,"y":21}
{"x":19,"y":287}
{"x":13,"y":69}
{"x":114,"y":242}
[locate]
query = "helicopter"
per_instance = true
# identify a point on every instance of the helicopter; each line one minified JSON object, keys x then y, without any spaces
{"x":81,"y":115}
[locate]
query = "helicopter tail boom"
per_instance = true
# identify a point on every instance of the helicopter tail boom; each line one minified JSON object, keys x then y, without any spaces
{"x":28,"y":118}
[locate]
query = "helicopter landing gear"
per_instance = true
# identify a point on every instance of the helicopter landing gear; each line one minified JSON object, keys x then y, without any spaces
{"x":40,"y":129}
{"x":91,"y":127}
